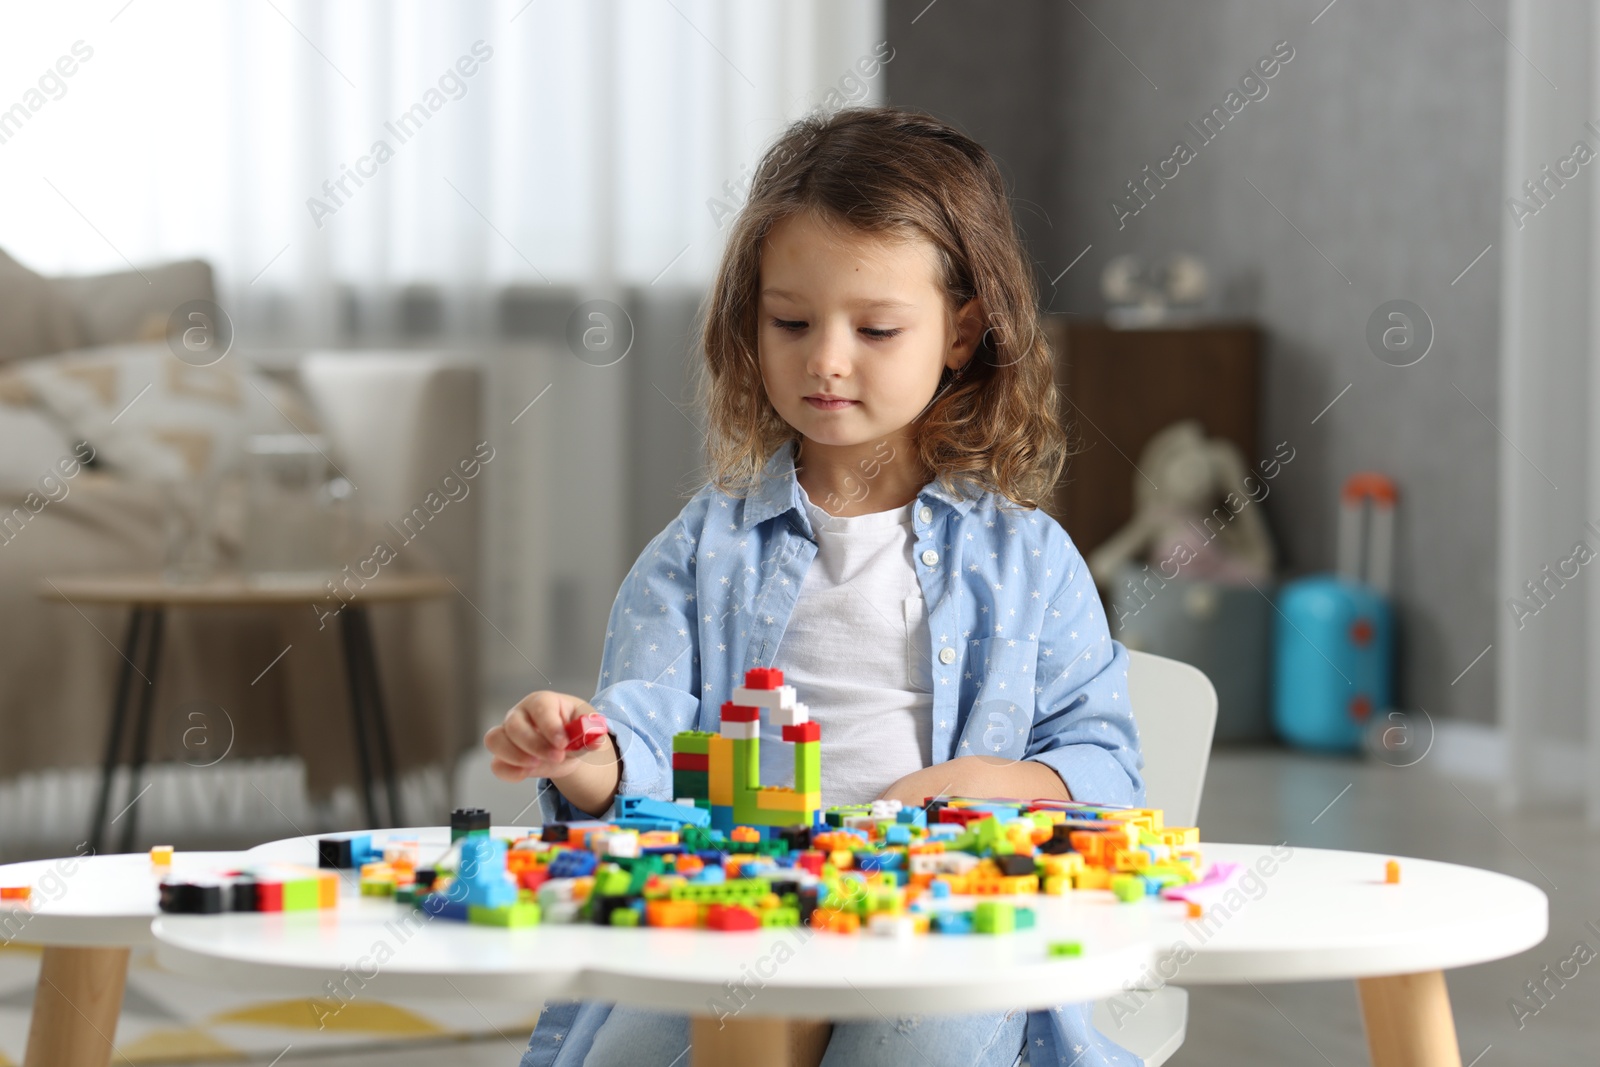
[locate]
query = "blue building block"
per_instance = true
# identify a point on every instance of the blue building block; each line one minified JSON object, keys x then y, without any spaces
{"x":897,"y":835}
{"x":952,"y":922}
{"x":640,"y":807}
{"x":912,"y":817}
{"x":573,"y":864}
{"x":483,"y":871}
{"x":440,"y":906}
{"x":939,"y":890}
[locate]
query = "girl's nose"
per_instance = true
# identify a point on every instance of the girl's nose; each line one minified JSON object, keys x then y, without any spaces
{"x":830,"y":353}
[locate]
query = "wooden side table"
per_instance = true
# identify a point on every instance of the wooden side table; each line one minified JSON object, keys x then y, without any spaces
{"x":148,"y":597}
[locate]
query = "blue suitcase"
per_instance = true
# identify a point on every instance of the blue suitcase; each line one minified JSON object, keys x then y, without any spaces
{"x":1334,"y":637}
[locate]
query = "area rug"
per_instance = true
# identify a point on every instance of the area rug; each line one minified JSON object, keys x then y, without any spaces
{"x":169,"y":1019}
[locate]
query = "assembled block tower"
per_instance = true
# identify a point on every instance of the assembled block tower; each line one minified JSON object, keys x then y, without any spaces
{"x":722,"y":770}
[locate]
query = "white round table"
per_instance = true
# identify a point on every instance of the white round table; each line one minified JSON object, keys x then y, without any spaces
{"x":87,"y":912}
{"x":1293,"y":914}
{"x":375,"y":947}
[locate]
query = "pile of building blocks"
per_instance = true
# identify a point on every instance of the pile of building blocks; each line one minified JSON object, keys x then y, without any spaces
{"x":731,"y":854}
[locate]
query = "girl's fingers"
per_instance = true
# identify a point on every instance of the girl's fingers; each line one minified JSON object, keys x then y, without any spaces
{"x":511,"y":772}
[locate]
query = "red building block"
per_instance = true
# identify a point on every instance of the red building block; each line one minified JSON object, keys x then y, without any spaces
{"x":533,"y":877}
{"x":269,"y":896}
{"x":691,"y":761}
{"x":732,"y":712}
{"x":962,"y":815}
{"x":731,"y":917}
{"x":811,"y":860}
{"x":763,"y":678}
{"x":586,"y":731}
{"x":806,"y":731}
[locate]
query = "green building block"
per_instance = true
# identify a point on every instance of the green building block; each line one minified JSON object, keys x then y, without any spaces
{"x":994,"y":917}
{"x":1065,"y":948}
{"x":697,"y":742}
{"x":745,"y":813}
{"x":1024,"y":918}
{"x":611,"y":881}
{"x":301,"y":895}
{"x":1128,"y":887}
{"x":624,"y":917}
{"x":695,"y":784}
{"x":808,"y":768}
{"x":522,"y":913}
{"x":782,"y":915}
{"x":746,"y":765}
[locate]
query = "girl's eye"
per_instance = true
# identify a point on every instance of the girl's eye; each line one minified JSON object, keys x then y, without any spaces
{"x":795,"y":326}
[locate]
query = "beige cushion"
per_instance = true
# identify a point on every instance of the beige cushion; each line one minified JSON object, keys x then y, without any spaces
{"x":133,"y":305}
{"x":35,"y":319}
{"x":153,"y":416}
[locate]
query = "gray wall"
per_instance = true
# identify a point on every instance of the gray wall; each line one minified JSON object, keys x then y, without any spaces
{"x":1380,"y":142}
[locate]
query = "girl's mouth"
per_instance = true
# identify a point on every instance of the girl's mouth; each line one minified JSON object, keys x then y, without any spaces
{"x":829,"y":405}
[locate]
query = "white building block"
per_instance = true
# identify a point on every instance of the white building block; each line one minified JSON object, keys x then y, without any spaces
{"x":740,"y":730}
{"x":781,"y":697}
{"x":791,"y":716}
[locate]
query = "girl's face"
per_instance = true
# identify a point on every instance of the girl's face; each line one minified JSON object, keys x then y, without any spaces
{"x":858,"y":318}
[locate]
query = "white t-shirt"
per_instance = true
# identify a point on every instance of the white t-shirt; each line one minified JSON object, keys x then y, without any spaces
{"x":856,"y":650}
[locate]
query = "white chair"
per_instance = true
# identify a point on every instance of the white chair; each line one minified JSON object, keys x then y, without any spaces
{"x":1176,"y":709}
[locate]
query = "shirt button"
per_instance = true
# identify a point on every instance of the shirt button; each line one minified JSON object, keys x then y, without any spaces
{"x":930,"y":557}
{"x":947,"y":655}
{"x":926,"y":514}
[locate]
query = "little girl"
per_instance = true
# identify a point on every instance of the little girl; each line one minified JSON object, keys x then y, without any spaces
{"x":882,"y":426}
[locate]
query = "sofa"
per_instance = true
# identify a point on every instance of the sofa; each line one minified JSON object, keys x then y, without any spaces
{"x":396,"y":424}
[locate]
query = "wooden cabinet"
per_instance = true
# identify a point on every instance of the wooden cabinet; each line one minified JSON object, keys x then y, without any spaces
{"x":1119,"y":388}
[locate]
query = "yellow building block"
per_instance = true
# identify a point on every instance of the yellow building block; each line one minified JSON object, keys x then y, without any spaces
{"x":720,"y":780}
{"x":782,"y":798}
{"x":1092,"y":878}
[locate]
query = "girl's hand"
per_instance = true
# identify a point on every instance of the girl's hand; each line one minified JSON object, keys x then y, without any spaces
{"x":978,"y":777}
{"x":532,"y":742}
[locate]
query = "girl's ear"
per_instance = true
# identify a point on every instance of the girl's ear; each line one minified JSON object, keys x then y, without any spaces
{"x":969,"y":333}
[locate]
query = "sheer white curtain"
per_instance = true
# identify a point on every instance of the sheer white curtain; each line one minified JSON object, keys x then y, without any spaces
{"x":1550,"y":408}
{"x":302,"y":146}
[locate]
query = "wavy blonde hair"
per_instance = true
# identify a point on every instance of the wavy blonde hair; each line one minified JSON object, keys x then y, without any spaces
{"x":899,"y":173}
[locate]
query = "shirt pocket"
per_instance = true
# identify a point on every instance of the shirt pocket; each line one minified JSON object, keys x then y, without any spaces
{"x":919,"y":668}
{"x":1001,"y":718}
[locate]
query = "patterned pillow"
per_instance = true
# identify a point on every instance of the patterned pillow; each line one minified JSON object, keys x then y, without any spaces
{"x":153,"y":416}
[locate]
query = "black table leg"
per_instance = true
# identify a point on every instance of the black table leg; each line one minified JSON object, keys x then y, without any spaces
{"x":349,"y":631}
{"x":119,"y":714}
{"x":377,"y":714}
{"x":141,"y":737}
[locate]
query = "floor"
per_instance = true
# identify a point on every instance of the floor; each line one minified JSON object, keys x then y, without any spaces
{"x":1267,"y":796}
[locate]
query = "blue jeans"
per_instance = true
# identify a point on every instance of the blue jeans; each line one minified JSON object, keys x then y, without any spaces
{"x":636,"y":1037}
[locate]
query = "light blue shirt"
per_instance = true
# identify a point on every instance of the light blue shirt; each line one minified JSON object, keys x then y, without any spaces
{"x":1022,"y":663}
{"x":1023,"y":667}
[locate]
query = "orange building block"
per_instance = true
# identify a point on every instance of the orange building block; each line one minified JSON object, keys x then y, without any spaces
{"x":681,"y":913}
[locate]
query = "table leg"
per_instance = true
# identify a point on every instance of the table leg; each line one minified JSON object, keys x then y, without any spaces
{"x":739,"y":1042}
{"x":119,"y":716}
{"x":358,"y":707}
{"x":76,"y":1006}
{"x":378,"y":714}
{"x":141,"y":735}
{"x":1408,"y":1020}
